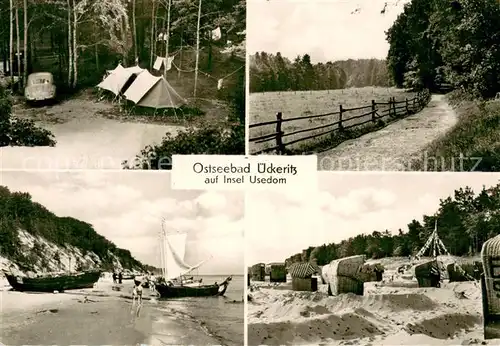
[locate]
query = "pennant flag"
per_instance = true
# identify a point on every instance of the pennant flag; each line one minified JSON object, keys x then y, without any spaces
{"x":216,"y":34}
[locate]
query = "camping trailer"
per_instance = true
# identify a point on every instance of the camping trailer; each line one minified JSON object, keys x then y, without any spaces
{"x":490,"y":287}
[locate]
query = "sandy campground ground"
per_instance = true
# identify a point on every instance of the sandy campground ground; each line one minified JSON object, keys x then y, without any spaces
{"x":106,"y":317}
{"x":396,"y":313}
{"x":92,"y":134}
{"x":393,"y":147}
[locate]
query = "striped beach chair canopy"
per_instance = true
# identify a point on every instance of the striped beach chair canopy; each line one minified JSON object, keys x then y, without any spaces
{"x":302,"y":270}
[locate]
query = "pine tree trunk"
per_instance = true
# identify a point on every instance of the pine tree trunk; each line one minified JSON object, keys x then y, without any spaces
{"x":152,"y":42}
{"x":167,"y":41}
{"x":11,"y":40}
{"x":197,"y":50}
{"x":75,"y":50}
{"x":136,"y":58}
{"x":18,"y":46}
{"x":25,"y":43}
{"x":180,"y":58}
{"x":70,"y":49}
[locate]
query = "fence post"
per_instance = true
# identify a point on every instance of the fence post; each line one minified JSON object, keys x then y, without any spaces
{"x":406,"y":104}
{"x":374,"y":110}
{"x":341,"y":127}
{"x":390,"y":106}
{"x":279,"y":133}
{"x":394,"y":107}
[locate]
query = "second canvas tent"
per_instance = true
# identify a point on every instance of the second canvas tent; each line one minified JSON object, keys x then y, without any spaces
{"x":153,"y":92}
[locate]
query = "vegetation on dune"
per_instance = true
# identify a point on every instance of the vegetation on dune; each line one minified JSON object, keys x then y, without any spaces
{"x":465,"y":221}
{"x":270,"y":72}
{"x":20,"y":132}
{"x":18,"y":211}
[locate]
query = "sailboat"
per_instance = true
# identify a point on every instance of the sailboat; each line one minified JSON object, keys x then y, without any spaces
{"x":175,"y":283}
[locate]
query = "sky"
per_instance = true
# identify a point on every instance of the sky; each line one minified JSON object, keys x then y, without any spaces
{"x":348,"y":204}
{"x":127,"y":206}
{"x":327,"y":30}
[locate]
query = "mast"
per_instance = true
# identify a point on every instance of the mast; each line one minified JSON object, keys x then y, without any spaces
{"x":162,"y":256}
{"x":435,"y":240}
{"x":163,"y":244}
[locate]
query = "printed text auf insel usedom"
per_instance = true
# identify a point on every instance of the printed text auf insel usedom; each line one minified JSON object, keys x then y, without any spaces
{"x":250,"y":172}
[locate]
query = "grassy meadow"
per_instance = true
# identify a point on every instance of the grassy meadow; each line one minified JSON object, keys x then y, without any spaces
{"x":264,"y":106}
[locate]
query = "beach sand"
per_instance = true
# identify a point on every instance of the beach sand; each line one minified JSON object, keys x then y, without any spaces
{"x":69,"y":318}
{"x":394,"y":313}
{"x":98,"y":316}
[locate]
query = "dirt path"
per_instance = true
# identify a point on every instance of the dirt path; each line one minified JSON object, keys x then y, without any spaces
{"x":393,"y":147}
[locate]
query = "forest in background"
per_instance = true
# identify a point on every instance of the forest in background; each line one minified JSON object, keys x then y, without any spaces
{"x":78,"y":40}
{"x":438,"y":42}
{"x":19,"y":211}
{"x":86,"y":37}
{"x":464,"y":222}
{"x":269,"y":72}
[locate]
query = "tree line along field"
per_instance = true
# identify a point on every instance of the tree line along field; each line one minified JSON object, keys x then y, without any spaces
{"x":264,"y":106}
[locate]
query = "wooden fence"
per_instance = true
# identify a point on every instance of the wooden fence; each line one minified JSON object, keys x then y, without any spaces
{"x":394,"y":109}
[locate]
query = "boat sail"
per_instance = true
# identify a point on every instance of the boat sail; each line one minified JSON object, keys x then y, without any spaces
{"x":173,"y":248}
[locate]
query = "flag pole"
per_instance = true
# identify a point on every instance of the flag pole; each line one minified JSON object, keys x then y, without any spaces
{"x":197,"y":50}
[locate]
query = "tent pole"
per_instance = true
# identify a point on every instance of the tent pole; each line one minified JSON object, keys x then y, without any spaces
{"x":197,"y":50}
{"x":167,"y":40}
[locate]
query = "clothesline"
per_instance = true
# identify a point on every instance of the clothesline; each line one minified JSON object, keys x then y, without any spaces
{"x":205,"y":73}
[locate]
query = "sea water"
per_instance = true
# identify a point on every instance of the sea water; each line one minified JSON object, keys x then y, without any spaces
{"x":201,"y":320}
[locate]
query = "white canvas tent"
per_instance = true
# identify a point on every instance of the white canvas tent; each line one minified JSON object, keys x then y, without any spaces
{"x":154,"y":92}
{"x":118,"y":68}
{"x":118,"y":78}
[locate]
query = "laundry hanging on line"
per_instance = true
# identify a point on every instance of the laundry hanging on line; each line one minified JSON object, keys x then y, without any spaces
{"x":162,"y":36}
{"x":216,"y":34}
{"x":160,"y":61}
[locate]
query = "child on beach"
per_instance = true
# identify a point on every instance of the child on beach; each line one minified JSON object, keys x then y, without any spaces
{"x":137,"y":293}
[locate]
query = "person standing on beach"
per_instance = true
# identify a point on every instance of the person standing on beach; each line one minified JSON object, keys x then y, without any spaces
{"x":138,"y":293}
{"x":114,"y":277}
{"x":120,"y":277}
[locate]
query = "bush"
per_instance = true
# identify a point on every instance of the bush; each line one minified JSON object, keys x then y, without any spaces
{"x":208,"y":140}
{"x":20,"y":132}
